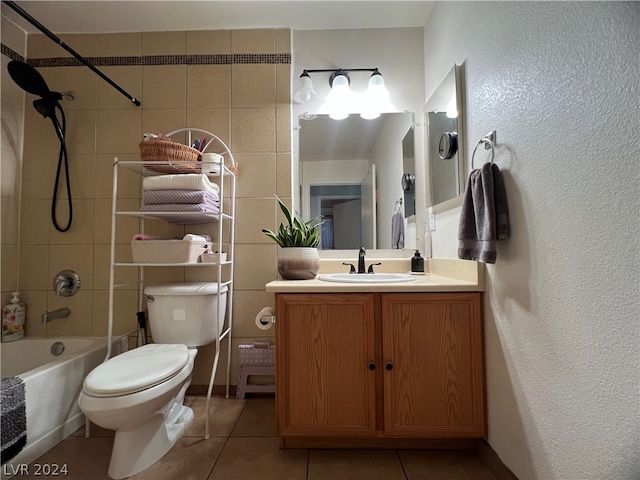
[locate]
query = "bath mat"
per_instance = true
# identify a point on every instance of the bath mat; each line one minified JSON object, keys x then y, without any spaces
{"x":14,"y":417}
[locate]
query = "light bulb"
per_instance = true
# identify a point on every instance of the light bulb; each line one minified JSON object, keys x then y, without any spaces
{"x":376,"y":99}
{"x":340,"y":98}
{"x":305,"y":92}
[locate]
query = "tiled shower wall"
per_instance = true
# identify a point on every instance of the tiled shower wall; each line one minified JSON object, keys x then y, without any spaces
{"x":13,"y":39}
{"x":232,"y":83}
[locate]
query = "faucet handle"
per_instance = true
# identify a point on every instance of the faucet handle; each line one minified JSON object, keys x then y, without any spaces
{"x":352,"y":269}
{"x":66,"y":283}
{"x":370,"y":270}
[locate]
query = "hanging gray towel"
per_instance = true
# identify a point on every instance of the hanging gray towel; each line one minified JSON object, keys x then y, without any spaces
{"x":397,"y":231}
{"x":484,"y":218}
{"x":14,"y":417}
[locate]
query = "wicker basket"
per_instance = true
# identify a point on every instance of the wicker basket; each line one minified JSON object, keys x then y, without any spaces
{"x":167,"y":151}
{"x":167,"y":251}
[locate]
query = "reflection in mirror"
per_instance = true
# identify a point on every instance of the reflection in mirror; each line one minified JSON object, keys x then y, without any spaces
{"x":351,"y":172}
{"x":445,"y":138}
{"x":409,"y":175}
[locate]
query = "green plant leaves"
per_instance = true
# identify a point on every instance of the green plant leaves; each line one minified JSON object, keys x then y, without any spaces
{"x":298,"y":233}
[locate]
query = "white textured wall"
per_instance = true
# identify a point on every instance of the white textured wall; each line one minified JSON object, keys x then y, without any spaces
{"x":559,"y":81}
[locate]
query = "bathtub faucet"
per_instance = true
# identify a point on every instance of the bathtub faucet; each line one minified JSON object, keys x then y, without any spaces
{"x":60,"y":313}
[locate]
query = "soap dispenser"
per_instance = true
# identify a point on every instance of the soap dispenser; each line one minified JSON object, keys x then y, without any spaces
{"x":417,"y":263}
{"x":13,"y":317}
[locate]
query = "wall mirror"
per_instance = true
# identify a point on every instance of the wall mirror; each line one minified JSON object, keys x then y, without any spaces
{"x":351,"y":171}
{"x":445,"y":139}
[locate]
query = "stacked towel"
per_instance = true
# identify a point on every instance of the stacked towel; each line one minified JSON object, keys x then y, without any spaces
{"x":14,"y":417}
{"x":181,"y":207}
{"x":156,"y":197}
{"x":188,"y":193}
{"x":189,"y":181}
{"x":484,"y":218}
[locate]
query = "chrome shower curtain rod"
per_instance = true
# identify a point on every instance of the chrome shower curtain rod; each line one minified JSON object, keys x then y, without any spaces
{"x":57,"y":40}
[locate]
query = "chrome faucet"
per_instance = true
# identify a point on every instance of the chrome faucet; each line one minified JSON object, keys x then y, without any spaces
{"x":60,"y":313}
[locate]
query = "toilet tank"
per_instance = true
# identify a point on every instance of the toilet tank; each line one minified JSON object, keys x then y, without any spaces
{"x":187,"y":313}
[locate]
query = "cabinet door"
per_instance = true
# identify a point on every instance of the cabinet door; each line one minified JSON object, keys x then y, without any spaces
{"x":433,"y":360}
{"x":325,"y":345}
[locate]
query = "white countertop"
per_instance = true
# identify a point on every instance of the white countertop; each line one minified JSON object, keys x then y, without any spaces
{"x":444,"y":275}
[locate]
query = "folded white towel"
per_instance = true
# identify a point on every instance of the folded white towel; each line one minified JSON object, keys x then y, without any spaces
{"x":188,"y":181}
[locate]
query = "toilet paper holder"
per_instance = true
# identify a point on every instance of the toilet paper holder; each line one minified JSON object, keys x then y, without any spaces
{"x":267,"y":319}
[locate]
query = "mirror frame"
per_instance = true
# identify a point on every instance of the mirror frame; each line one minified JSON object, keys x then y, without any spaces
{"x":458,"y":72}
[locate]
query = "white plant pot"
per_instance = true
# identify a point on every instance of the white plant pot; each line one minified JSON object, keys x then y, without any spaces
{"x":298,"y":263}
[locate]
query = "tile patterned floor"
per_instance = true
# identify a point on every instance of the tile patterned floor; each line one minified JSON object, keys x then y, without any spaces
{"x":244,"y":446}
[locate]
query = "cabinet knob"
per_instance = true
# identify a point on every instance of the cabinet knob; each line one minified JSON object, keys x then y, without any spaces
{"x":372,"y":366}
{"x":389,"y":366}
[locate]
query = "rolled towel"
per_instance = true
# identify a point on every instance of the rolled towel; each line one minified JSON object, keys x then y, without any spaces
{"x":192,"y":237}
{"x":188,"y":181}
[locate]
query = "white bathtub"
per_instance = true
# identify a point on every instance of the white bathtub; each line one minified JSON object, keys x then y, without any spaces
{"x":52,"y":385}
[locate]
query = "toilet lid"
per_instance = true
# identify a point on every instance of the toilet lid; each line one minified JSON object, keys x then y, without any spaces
{"x":136,"y":370}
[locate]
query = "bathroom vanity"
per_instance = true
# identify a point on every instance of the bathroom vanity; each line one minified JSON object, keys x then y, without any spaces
{"x":377,"y":364}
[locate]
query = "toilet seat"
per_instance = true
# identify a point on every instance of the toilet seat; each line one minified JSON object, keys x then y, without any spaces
{"x":136,"y":370}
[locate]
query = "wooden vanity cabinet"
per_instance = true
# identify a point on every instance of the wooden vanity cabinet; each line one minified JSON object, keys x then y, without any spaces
{"x":324,"y":344}
{"x":380,"y":365}
{"x":434,"y":369}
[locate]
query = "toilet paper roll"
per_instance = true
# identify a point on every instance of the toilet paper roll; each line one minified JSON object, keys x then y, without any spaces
{"x":264,"y":319}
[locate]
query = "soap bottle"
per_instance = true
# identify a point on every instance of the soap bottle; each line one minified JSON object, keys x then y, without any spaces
{"x":417,"y":263}
{"x":13,"y":317}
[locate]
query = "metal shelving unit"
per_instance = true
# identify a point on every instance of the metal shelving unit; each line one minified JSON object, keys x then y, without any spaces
{"x":223,"y":172}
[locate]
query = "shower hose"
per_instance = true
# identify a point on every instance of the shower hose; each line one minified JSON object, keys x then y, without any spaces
{"x":60,"y":128}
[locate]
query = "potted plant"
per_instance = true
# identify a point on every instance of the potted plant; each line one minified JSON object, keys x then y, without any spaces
{"x":298,"y":241}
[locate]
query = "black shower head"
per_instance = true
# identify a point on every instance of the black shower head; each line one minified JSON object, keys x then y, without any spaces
{"x":28,"y":78}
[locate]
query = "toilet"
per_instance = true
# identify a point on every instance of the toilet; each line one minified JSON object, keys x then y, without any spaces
{"x":140,"y":393}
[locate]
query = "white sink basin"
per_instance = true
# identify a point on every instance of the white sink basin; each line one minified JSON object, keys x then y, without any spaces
{"x":366,"y":277}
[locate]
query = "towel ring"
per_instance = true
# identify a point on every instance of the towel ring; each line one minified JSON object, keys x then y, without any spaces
{"x":488,"y":144}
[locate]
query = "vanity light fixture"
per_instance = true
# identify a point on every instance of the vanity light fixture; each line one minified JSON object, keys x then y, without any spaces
{"x":341,"y":100}
{"x":305,"y":92}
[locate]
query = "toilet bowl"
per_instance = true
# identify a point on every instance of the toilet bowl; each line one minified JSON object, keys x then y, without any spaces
{"x":140,"y":393}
